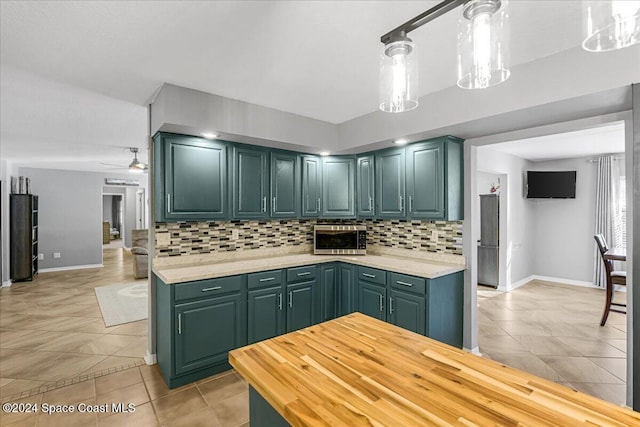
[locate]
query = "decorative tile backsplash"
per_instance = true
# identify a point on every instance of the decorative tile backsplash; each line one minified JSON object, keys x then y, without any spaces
{"x":191,"y":238}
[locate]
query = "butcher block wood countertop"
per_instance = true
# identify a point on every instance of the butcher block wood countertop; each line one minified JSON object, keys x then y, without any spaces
{"x":360,"y":371}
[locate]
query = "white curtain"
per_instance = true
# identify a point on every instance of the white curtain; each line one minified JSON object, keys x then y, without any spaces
{"x":608,"y":212}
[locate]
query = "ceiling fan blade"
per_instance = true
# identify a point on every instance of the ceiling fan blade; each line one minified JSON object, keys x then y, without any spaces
{"x":112,"y":164}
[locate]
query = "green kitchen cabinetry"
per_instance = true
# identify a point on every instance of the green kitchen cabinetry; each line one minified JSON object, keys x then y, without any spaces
{"x":300,"y":305}
{"x":250,"y":183}
{"x":365,"y":186}
{"x":328,"y":289}
{"x":338,"y":187}
{"x":264,"y":310}
{"x":197,"y":324}
{"x":390,"y":183}
{"x":284,"y":186}
{"x":346,"y":290}
{"x":311,"y":186}
{"x":434,"y":179}
{"x":190,"y":178}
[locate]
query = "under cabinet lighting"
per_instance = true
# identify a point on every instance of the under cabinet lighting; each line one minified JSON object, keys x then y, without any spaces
{"x":209,"y":135}
{"x":401,"y":141}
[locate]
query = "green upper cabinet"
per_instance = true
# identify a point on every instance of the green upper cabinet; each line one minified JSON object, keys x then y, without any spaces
{"x":338,"y":187}
{"x":390,"y":183}
{"x":434,"y":179}
{"x":311,"y":186}
{"x":250,"y":183}
{"x":285,"y":185}
{"x":365,"y":180}
{"x":425,"y":180}
{"x":184,"y":161}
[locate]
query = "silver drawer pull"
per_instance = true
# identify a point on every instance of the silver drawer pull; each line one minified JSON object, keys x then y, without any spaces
{"x":290,"y":299}
{"x":267,"y":279}
{"x":215,"y":288}
{"x":373,"y":276}
{"x":280,"y":301}
{"x":304,"y":274}
{"x":179,"y":323}
{"x":381,"y":303}
{"x":403,"y":283}
{"x":390,"y":305}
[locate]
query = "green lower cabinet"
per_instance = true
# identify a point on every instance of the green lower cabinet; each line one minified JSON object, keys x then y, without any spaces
{"x":372,"y":298}
{"x":445,"y":297}
{"x":300,"y":308}
{"x":346,"y":292}
{"x":407,"y":311}
{"x":328,"y":288}
{"x":265,"y":315}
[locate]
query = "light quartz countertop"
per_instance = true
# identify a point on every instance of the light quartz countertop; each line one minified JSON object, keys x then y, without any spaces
{"x":429,"y":269}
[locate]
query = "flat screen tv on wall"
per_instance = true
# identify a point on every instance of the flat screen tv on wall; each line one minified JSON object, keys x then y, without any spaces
{"x":551,"y":184}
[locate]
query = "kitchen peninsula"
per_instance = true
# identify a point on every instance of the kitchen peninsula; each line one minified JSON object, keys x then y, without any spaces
{"x":356,"y":370}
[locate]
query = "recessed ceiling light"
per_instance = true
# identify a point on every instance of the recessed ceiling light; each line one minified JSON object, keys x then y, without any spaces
{"x":324,"y":153}
{"x":209,"y":135}
{"x":400,"y":141}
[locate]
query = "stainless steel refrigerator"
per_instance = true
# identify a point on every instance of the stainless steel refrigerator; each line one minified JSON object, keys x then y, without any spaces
{"x":489,"y":244}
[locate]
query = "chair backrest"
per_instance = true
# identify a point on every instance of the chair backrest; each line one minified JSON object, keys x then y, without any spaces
{"x":603,"y":247}
{"x":602,"y":244}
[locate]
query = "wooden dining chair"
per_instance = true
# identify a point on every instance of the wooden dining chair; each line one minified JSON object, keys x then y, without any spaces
{"x":613,"y":278}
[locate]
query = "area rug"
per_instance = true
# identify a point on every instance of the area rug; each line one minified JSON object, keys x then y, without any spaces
{"x":123,"y":303}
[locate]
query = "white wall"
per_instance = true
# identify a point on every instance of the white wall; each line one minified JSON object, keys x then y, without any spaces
{"x":107,"y":206}
{"x":517,"y":246}
{"x":70,"y":217}
{"x":7,"y":169}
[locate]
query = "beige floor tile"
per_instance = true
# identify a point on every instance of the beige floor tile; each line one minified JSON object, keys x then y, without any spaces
{"x":20,"y":386}
{"x":178,"y":405}
{"x":76,"y":419}
{"x":142,"y":417}
{"x":580,"y":369}
{"x":110,"y":362}
{"x":529,"y":363}
{"x":233,"y":411}
{"x":222,"y":388}
{"x":204,"y":417}
{"x":547,"y":345}
{"x":115,"y":381}
{"x":617,"y":367}
{"x":155,"y":384}
{"x":21,"y":418}
{"x":139,"y":328}
{"x":593,"y":347}
{"x":518,"y":327}
{"x":137,"y":347}
{"x":617,"y":343}
{"x":134,"y":394}
{"x":108,"y":344}
{"x":79,"y":392}
{"x":615,"y":393}
{"x":500,"y":344}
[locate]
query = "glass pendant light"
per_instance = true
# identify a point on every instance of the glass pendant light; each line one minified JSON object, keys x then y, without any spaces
{"x":483,"y":53}
{"x":399,"y":76}
{"x":611,"y":25}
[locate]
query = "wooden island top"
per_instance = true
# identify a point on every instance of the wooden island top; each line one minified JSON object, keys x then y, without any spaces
{"x":360,"y":371}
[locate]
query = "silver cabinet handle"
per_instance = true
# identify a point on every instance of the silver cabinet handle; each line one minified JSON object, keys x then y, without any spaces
{"x":318,"y":205}
{"x":410,"y":203}
{"x":373,"y":276}
{"x":215,"y":288}
{"x":274,"y":207}
{"x":179,"y":323}
{"x":280,"y":300}
{"x":390,"y":305}
{"x":401,"y":203}
{"x":290,"y":299}
{"x":403,"y":283}
{"x":267,"y":279}
{"x":264,"y":204}
{"x":381,"y":303}
{"x":168,"y":202}
{"x":370,"y":203}
{"x":306,"y":273}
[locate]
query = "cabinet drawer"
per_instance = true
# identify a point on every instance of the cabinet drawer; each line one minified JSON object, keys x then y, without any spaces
{"x":264,"y":278}
{"x":298,"y":274}
{"x":372,"y":275}
{"x":207,"y":288}
{"x":408,"y":283}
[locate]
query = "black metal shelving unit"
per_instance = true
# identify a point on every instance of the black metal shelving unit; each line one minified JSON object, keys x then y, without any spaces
{"x":24,"y":236}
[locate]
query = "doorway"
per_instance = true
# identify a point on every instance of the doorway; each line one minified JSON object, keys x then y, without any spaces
{"x":112,"y":221}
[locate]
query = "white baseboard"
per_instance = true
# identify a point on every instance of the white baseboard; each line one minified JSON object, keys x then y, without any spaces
{"x":6,"y":283}
{"x":475,"y":350}
{"x":150,"y":359}
{"x":566,"y":281}
{"x":71,"y":267}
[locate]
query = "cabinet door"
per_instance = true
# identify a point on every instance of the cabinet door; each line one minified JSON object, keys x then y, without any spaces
{"x":328,"y":288}
{"x":338,"y":187}
{"x":207,"y":330}
{"x":372,"y":299}
{"x":311,"y":186}
{"x":425,"y":180}
{"x":250,"y":180}
{"x":195,"y":179}
{"x":285,"y":185}
{"x":265,"y":314}
{"x":445,"y":299}
{"x":346,"y":293}
{"x":300,"y":305}
{"x":365,"y":178}
{"x":407,"y":311}
{"x":390,"y":181}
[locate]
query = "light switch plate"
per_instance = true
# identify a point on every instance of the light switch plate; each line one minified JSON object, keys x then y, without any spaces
{"x":40,"y":256}
{"x":56,"y":254}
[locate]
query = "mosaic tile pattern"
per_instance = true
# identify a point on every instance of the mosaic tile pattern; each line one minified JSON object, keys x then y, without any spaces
{"x":189,"y":238}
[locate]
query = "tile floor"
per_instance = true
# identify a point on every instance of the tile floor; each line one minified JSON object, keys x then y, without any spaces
{"x":553,"y":331}
{"x":218,"y":401}
{"x":51,"y":329}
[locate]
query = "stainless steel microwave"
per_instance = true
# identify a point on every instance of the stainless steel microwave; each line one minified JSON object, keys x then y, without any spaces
{"x":340,"y":240}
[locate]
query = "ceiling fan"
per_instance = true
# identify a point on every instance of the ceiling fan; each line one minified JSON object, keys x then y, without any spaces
{"x":136,"y":166}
